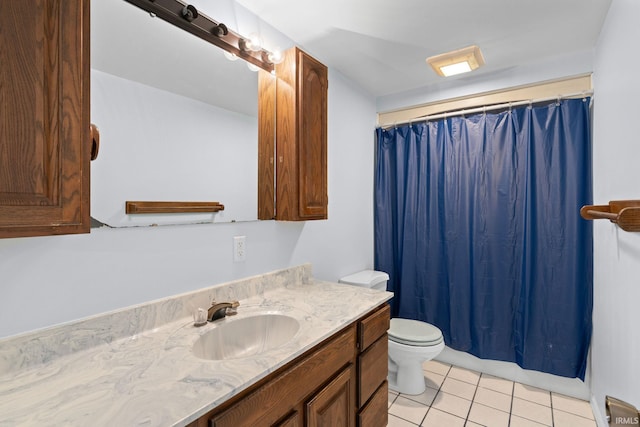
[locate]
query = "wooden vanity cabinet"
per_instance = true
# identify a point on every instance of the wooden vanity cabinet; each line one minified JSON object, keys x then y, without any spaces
{"x":337,"y":383}
{"x":44,"y":117}
{"x":300,"y":186}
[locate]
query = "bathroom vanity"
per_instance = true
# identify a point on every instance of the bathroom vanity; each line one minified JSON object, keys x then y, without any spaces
{"x":137,"y":366}
{"x":335,"y":383}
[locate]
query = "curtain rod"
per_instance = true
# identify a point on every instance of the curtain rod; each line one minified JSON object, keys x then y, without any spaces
{"x":486,"y":108}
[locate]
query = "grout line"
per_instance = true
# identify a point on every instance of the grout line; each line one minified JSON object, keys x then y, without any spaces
{"x":497,"y":391}
{"x":513,"y":395}
{"x":574,"y":414}
{"x":428,"y":410}
{"x":538,"y":404}
{"x":392,"y":402}
{"x":472,"y":401}
{"x":406,"y":420}
{"x":466,"y":418}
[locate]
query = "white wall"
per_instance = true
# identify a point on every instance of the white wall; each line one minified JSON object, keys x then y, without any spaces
{"x":616,"y":151}
{"x":50,"y":280}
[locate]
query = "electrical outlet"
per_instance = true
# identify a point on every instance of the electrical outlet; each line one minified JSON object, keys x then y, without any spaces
{"x":239,"y":248}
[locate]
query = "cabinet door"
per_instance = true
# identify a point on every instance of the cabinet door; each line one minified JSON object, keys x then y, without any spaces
{"x":334,"y":405}
{"x":312,"y":138}
{"x":301,"y":142}
{"x":266,"y":145}
{"x":44,"y":117}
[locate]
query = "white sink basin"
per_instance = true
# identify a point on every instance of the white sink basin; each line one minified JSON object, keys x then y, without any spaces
{"x":250,"y":336}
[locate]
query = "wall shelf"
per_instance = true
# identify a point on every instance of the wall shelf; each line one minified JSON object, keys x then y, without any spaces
{"x":146,"y":207}
{"x":624,"y":213}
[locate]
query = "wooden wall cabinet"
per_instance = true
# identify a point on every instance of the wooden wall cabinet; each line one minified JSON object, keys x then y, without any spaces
{"x":340,"y":382}
{"x":300,"y":166}
{"x":44,"y":117}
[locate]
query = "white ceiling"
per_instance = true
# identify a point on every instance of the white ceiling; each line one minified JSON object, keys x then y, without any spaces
{"x":382,"y":44}
{"x":379,"y":44}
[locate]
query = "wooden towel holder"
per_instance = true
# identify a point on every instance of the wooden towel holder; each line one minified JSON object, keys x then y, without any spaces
{"x":140,"y":207}
{"x":625,"y":213}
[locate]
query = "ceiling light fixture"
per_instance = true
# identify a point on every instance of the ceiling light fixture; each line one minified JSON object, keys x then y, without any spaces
{"x":457,"y":62}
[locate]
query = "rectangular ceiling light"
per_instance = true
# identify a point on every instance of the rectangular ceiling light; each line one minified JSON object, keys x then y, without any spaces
{"x":457,"y":62}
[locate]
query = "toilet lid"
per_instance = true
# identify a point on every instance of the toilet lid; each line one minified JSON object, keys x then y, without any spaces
{"x":414,"y":332}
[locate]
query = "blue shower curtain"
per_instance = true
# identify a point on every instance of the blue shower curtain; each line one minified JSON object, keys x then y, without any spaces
{"x":477,"y":223}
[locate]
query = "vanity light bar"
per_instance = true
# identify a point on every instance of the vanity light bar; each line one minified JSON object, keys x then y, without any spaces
{"x":189,"y":19}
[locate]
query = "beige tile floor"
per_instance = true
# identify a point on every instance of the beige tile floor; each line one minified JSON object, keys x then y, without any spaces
{"x":457,"y":397}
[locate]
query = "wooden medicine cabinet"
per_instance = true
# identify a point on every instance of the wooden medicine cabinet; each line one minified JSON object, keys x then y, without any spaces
{"x":293,"y":185}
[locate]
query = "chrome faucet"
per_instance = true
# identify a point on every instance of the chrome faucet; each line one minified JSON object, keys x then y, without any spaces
{"x":218,"y":310}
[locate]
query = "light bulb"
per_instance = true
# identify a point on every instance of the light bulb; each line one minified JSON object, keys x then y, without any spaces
{"x":254,"y":42}
{"x":275,"y":56}
{"x":230,"y":56}
{"x":252,"y":67}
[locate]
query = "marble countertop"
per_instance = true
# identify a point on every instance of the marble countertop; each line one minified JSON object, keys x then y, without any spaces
{"x":152,"y":378}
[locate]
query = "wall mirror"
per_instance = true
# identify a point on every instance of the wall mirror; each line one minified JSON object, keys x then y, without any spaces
{"x":178,"y":120}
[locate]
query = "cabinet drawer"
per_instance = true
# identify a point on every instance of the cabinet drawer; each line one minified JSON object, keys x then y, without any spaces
{"x":373,"y":327}
{"x":275,"y":399}
{"x":373,"y":366}
{"x":374,"y":414}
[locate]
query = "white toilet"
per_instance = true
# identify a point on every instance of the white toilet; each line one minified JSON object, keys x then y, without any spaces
{"x":411,"y":342}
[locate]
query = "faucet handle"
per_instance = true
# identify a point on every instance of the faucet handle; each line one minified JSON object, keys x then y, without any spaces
{"x":233,"y":309}
{"x":234,"y":304}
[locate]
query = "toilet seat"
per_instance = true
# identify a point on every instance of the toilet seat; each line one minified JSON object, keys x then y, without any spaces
{"x":414,"y":333}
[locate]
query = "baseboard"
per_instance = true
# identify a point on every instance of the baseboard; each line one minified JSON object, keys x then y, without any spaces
{"x":600,"y":419}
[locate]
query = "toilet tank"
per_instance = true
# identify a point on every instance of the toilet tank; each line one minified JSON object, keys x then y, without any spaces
{"x":368,"y":279}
